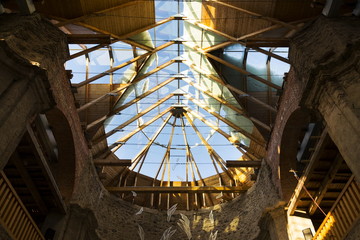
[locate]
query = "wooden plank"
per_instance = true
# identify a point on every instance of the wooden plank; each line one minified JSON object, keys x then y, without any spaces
{"x":117,"y":162}
{"x":182,"y":189}
{"x":285,"y":60}
{"x":245,"y":164}
{"x":310,"y":167}
{"x":86,"y":51}
{"x":88,"y":38}
{"x":328,"y":178}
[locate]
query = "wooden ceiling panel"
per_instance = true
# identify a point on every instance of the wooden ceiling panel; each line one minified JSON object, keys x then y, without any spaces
{"x":118,"y":21}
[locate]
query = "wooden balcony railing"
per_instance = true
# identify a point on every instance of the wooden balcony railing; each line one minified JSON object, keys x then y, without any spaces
{"x":14,"y":217}
{"x":342,"y":216}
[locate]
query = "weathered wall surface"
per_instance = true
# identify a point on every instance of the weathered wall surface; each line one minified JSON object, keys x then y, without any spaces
{"x":331,"y":71}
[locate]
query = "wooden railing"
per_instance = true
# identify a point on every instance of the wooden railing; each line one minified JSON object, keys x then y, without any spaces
{"x":342,"y":216}
{"x":14,"y":217}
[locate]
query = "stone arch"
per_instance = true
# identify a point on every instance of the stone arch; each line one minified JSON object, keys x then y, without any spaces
{"x":64,"y":169}
{"x":296,"y":123}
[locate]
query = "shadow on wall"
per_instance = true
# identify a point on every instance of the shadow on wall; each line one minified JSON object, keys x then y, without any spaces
{"x":290,"y":142}
{"x":64,"y":169}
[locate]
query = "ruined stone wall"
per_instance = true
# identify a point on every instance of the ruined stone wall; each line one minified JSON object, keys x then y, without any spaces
{"x":326,"y":56}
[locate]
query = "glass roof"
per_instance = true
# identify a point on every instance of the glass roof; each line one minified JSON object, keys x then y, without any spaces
{"x":178,"y":114}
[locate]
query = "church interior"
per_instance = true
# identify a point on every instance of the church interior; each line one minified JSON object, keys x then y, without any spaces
{"x":180,"y":119}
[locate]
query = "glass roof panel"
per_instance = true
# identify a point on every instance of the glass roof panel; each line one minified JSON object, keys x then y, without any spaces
{"x":201,"y":90}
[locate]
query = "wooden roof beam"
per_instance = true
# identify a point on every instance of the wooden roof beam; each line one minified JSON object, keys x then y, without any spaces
{"x":261,"y":142}
{"x":229,"y":105}
{"x":114,"y":92}
{"x":236,"y":143}
{"x":202,"y":26}
{"x":122,"y":140}
{"x":188,"y":189}
{"x":145,"y":94}
{"x":108,"y":134}
{"x":87,"y":51}
{"x":242,"y":164}
{"x":113,"y":163}
{"x":270,"y":19}
{"x":88,"y":39}
{"x":111,"y":70}
{"x":230,"y":87}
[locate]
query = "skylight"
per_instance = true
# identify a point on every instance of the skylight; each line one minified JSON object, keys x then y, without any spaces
{"x":177,"y":120}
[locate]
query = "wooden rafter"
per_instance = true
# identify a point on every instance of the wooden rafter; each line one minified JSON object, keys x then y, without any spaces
{"x":119,"y":37}
{"x":121,"y":126}
{"x":111,"y":70}
{"x":117,"y":162}
{"x":236,"y":68}
{"x":204,"y":27}
{"x":88,"y":39}
{"x":230,"y":87}
{"x":236,"y":143}
{"x":166,"y":158}
{"x":190,"y":189}
{"x":136,"y":44}
{"x":270,"y":19}
{"x":190,"y":159}
{"x":147,"y":147}
{"x":122,"y":140}
{"x":89,"y":104}
{"x":145,"y":94}
{"x":226,"y":103}
{"x":261,"y":142}
{"x":87,"y":51}
{"x":214,"y":156}
{"x":242,"y":164}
